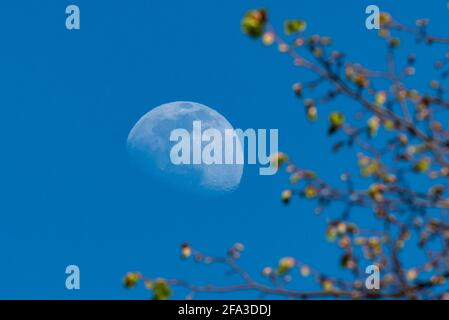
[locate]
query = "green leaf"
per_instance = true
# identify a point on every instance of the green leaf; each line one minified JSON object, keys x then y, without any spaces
{"x":286,"y":196}
{"x":336,"y":120}
{"x":285,"y":265}
{"x":131,"y":279}
{"x":161,"y":290}
{"x":373,"y":126}
{"x":253,"y":23}
{"x":422,"y":165}
{"x":293,"y":26}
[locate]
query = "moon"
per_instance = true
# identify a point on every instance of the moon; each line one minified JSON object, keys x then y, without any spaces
{"x":149,"y":147}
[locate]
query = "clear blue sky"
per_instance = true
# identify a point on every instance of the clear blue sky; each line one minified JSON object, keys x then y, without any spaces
{"x":70,"y":195}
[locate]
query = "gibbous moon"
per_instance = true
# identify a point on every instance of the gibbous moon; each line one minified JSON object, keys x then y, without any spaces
{"x":149,"y":146}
